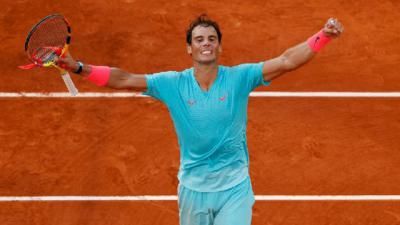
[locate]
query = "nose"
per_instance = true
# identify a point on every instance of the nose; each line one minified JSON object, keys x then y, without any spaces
{"x":206,"y":43}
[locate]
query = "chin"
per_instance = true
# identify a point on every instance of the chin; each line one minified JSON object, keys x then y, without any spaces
{"x":207,"y":61}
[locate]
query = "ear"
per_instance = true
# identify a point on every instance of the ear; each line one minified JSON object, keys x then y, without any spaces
{"x":189,"y":49}
{"x":220,"y":49}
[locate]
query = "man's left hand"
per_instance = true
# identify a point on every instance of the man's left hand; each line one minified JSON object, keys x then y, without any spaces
{"x":333,"y":28}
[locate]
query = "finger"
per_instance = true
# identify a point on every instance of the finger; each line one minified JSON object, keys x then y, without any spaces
{"x":338,"y":30}
{"x":334,"y":26}
{"x":331,"y":22}
{"x":331,"y":33}
{"x":63,"y":66}
{"x":59,"y":61}
{"x":56,"y":59}
{"x":67,"y":55}
{"x":340,"y":27}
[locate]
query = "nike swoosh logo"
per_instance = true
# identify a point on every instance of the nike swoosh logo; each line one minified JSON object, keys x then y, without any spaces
{"x":316,"y":40}
{"x":191,"y":102}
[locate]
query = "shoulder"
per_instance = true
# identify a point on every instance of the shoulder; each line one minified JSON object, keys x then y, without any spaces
{"x":248,"y":66}
{"x":244,"y":68}
{"x":167,"y":75}
{"x":184,"y":73}
{"x":162,"y":85}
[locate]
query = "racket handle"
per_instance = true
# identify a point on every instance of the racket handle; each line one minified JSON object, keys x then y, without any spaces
{"x":69,"y":83}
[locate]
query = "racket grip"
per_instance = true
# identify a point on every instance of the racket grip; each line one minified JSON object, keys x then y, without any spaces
{"x":70,"y":84}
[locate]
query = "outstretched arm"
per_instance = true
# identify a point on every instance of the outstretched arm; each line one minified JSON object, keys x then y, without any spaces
{"x":300,"y":54}
{"x":115,"y":78}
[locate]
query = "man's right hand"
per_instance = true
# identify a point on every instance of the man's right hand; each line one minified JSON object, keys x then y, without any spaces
{"x":67,"y":62}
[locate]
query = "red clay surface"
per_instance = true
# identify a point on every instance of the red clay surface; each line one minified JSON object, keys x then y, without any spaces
{"x":304,"y":146}
{"x":149,"y":213}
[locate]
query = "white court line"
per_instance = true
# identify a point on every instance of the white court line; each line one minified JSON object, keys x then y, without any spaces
{"x":68,"y":95}
{"x":253,"y":94}
{"x":175,"y":198}
{"x":328,"y":94}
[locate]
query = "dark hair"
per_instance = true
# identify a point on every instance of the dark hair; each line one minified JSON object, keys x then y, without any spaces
{"x":205,"y":21}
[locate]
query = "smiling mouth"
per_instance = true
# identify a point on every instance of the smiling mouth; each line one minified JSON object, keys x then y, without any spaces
{"x":206,"y":52}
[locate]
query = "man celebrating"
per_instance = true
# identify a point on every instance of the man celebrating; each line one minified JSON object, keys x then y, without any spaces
{"x":208,"y":105}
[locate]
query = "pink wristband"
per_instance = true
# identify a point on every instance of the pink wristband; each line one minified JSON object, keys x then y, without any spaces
{"x":99,"y":75}
{"x":318,"y":40}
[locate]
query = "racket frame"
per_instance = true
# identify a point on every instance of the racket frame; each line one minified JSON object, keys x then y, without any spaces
{"x":64,"y":74}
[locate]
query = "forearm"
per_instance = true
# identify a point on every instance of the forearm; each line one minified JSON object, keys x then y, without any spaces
{"x":296,"y":56}
{"x":111,"y":77}
{"x":300,"y":54}
{"x":291,"y":59}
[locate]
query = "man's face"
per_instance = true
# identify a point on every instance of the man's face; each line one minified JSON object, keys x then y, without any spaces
{"x":205,"y":47}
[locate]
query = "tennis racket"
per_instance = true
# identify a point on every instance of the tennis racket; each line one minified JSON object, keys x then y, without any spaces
{"x":48,"y":40}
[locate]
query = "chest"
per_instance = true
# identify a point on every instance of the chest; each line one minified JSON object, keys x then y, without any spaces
{"x":213,"y":106}
{"x":202,"y":108}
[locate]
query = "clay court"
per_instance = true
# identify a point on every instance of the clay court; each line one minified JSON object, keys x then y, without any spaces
{"x":118,"y":146}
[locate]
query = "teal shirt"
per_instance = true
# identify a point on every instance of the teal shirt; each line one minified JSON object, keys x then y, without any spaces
{"x":210,"y":125}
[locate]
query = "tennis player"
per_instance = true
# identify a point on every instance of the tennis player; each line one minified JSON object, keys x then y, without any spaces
{"x":208,"y":105}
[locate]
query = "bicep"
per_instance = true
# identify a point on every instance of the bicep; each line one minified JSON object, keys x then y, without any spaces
{"x":273,"y":68}
{"x":120,"y":79}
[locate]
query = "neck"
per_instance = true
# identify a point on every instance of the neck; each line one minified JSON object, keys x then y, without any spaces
{"x":205,"y":74}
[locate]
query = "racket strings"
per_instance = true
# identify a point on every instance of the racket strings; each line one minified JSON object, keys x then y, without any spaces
{"x":46,"y":54}
{"x":48,"y":39}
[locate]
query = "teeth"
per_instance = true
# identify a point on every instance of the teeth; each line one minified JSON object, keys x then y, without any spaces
{"x":206,"y":52}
